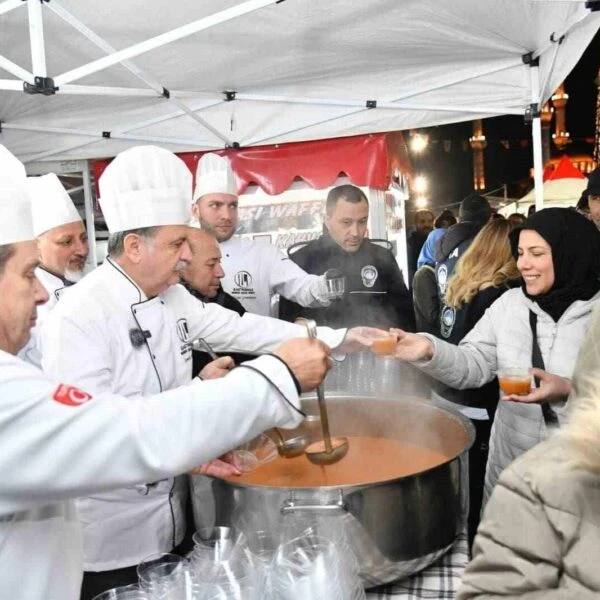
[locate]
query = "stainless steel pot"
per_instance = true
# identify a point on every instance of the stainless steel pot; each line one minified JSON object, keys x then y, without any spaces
{"x":394,"y":528}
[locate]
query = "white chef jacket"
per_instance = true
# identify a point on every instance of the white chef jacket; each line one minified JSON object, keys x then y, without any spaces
{"x":255,"y":271}
{"x":54,"y":287}
{"x":58,"y":443}
{"x":86,"y":340}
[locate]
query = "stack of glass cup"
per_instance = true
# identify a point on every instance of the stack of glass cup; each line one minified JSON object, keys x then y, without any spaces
{"x":225,"y":565}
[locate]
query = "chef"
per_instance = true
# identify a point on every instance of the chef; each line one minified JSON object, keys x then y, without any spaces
{"x":126,"y":328}
{"x":62,"y":243}
{"x":254,"y":271}
{"x":59,"y":442}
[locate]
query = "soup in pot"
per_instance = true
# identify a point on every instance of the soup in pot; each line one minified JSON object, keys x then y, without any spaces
{"x":369,"y":460}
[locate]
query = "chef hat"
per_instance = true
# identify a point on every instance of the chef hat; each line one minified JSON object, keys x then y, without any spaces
{"x":15,"y":211}
{"x":51,"y":206}
{"x":145,"y":186}
{"x":214,"y":176}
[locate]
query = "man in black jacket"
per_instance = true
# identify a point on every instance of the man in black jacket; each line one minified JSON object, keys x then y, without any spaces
{"x":202,"y":278}
{"x":475,"y":211}
{"x":375,"y":293}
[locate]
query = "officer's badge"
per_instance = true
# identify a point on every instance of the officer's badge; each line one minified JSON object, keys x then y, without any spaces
{"x":442,"y":279}
{"x":447,"y":321}
{"x":369,"y":275}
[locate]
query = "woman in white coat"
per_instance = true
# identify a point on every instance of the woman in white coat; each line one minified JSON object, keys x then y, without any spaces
{"x":539,"y":536}
{"x":558,"y":255}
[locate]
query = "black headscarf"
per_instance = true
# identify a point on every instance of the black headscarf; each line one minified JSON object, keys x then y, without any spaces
{"x":575,"y":244}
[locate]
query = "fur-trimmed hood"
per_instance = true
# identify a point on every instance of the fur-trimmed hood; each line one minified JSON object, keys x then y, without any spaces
{"x":583,"y":429}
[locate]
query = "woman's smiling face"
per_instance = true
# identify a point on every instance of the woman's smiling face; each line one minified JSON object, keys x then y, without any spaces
{"x":535,"y":262}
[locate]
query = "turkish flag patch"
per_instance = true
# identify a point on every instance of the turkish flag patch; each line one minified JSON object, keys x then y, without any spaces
{"x":70,"y":395}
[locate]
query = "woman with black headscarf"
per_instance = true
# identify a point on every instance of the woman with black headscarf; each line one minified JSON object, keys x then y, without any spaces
{"x":541,"y":324}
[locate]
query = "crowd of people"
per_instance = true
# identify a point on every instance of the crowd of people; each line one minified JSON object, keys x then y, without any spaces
{"x":106,"y":404}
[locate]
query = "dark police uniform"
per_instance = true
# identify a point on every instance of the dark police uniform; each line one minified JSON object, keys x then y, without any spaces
{"x":375,"y":293}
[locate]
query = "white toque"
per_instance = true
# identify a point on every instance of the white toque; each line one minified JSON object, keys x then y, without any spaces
{"x":214,"y":176}
{"x":145,"y":186}
{"x":51,"y":206}
{"x":15,"y":211}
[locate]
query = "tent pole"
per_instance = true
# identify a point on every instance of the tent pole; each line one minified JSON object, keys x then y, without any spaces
{"x":89,"y":215}
{"x":16,"y":70}
{"x":36,"y":39}
{"x":162,"y":39}
{"x":154,"y":85}
{"x":536,"y":132}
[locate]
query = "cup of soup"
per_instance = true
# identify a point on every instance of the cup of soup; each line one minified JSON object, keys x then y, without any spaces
{"x":515,"y":380}
{"x":384,"y":343}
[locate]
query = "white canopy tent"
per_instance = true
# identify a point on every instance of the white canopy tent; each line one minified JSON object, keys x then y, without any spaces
{"x":104,"y":75}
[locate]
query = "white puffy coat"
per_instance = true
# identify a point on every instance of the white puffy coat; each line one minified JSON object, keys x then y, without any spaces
{"x":502,"y":338}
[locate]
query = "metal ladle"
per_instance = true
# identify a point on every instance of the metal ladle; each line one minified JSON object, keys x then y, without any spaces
{"x":201,"y":345}
{"x":334,"y":449}
{"x":293,"y":447}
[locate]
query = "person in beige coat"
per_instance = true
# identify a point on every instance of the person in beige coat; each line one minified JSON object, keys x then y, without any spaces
{"x":540,"y":535}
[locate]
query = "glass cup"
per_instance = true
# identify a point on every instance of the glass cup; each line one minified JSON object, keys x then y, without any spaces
{"x":127,"y":592}
{"x":514,"y":380}
{"x":157,"y":573}
{"x":336,"y":286}
{"x":258,"y":451}
{"x":383,"y":342}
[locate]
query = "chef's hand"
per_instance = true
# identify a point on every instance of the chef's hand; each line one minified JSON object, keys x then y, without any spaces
{"x":223,"y":466}
{"x":217,"y":368}
{"x":307,"y":359}
{"x":412,"y":346}
{"x":552,"y":388}
{"x":359,"y":338}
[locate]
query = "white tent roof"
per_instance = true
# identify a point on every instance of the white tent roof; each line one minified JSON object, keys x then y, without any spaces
{"x":566,"y":190}
{"x":300,"y":69}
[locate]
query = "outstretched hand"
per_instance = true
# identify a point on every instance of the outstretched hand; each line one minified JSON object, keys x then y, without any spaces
{"x":412,"y":346}
{"x":552,"y":388}
{"x":360,"y":338}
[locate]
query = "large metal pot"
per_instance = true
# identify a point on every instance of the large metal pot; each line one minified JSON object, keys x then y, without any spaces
{"x":394,"y":528}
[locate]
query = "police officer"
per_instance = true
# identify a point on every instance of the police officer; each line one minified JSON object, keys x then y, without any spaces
{"x":254,"y":271}
{"x":474,"y":212}
{"x":375,"y":292}
{"x":126,"y":328}
{"x":60,"y":442}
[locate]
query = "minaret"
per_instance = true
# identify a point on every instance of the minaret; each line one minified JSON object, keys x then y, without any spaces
{"x":561,"y":136}
{"x":597,"y":139}
{"x":478,"y":144}
{"x":546,"y":119}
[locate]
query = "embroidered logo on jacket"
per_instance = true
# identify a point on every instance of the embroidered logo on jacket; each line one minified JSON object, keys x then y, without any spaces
{"x":70,"y":395}
{"x":369,"y":275}
{"x":183,"y":332}
{"x":243,"y":279}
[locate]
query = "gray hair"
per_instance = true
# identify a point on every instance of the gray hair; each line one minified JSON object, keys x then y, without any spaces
{"x":6,"y":252}
{"x":116,"y":241}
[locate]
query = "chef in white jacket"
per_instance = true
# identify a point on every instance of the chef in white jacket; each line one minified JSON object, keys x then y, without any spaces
{"x":254,"y":271}
{"x":58,"y":441}
{"x":126,"y":327}
{"x":62,"y":243}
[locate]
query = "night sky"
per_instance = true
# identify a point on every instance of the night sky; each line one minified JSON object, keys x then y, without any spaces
{"x":508,"y":156}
